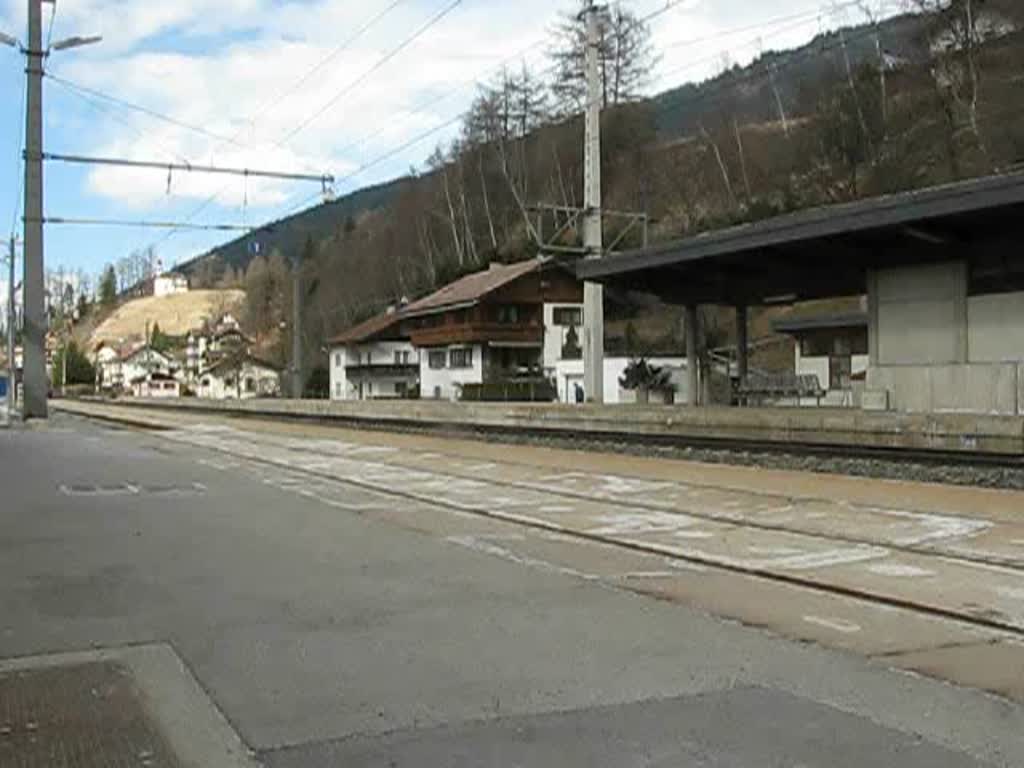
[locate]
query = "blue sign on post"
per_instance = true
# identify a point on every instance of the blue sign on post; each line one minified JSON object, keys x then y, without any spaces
{"x":3,"y":387}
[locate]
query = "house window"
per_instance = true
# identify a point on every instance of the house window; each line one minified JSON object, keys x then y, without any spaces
{"x":250,"y":384}
{"x":859,"y":342}
{"x":205,"y":382}
{"x":337,"y":389}
{"x":508,"y":314}
{"x":229,"y":382}
{"x":571,"y":349}
{"x":398,"y":357}
{"x":461,"y":357}
{"x":436,"y":359}
{"x":337,"y":359}
{"x":818,"y":345}
{"x":400,"y":388}
{"x":567,"y":316}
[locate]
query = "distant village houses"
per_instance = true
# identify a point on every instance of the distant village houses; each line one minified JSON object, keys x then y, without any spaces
{"x":216,"y":362}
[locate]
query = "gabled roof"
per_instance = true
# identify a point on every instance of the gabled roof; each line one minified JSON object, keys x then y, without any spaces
{"x":467,"y":291}
{"x":368,"y":329}
{"x":226,"y":332}
{"x":131,"y":352}
{"x":233,"y":361}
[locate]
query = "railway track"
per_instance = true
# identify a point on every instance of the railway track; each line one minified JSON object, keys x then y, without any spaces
{"x":617,"y":441}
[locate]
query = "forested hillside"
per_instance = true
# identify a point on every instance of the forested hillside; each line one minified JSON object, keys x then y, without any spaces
{"x":913,"y":101}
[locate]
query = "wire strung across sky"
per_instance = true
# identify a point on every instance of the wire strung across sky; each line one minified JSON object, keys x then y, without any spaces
{"x":144,"y":224}
{"x":294,"y":88}
{"x":433,"y":21}
{"x":759,"y":39}
{"x":433,"y":101}
{"x":186,"y":167}
{"x":437,"y":99}
{"x":351,"y":86}
{"x":104,"y":109}
{"x":152,"y":113}
{"x":392,"y":152}
{"x":19,"y":115}
{"x":277,"y":100}
{"x":729,"y":83}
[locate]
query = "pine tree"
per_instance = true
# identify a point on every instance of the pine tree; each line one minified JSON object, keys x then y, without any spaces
{"x":108,"y":286}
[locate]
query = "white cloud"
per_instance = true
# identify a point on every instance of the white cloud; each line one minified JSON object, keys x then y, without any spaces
{"x":250,"y":71}
{"x":213,"y":63}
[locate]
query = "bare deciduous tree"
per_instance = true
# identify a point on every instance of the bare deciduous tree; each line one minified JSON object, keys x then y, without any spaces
{"x":956,"y":34}
{"x":625,"y":53}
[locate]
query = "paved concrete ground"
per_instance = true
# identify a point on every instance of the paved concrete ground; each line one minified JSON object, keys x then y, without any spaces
{"x":334,"y":624}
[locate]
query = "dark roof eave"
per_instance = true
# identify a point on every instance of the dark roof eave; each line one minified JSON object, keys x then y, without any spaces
{"x":822,"y":322}
{"x":368,"y":330}
{"x":442,"y":308}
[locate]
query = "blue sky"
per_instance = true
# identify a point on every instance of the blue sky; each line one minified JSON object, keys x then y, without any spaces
{"x":231,"y":67}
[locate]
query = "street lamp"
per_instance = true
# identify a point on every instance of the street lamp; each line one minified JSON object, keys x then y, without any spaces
{"x":9,"y":41}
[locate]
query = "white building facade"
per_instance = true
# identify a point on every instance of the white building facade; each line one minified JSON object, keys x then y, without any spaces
{"x":170,"y":285}
{"x":156,"y":386}
{"x":944,"y":340}
{"x":374,"y":370}
{"x":144,"y":361}
{"x":834,"y":349}
{"x":108,"y":368}
{"x":563,"y":350}
{"x":615,"y":366}
{"x":242,"y":378}
{"x":444,"y":370}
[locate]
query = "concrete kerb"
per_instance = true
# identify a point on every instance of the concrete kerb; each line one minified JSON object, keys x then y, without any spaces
{"x":954,"y":433}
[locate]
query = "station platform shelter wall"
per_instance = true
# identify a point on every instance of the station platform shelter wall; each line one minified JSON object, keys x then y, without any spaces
{"x":939,"y":345}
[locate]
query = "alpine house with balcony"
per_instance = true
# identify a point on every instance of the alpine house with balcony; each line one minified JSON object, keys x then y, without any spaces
{"x":484,"y":336}
{"x":374,"y":360}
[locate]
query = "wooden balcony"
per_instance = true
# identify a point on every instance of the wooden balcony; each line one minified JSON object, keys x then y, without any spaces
{"x":383,"y":369}
{"x":478,"y":332}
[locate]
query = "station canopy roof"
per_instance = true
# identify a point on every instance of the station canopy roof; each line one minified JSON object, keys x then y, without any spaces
{"x":827,"y":252}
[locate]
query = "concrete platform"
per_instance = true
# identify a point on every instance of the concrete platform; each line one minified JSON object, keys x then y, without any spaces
{"x":961,"y":433}
{"x":891,"y":570}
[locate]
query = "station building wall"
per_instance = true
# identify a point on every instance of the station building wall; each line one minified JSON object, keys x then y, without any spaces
{"x":936,"y":348}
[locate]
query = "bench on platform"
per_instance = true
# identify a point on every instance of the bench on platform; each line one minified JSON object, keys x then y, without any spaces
{"x":763,"y":386}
